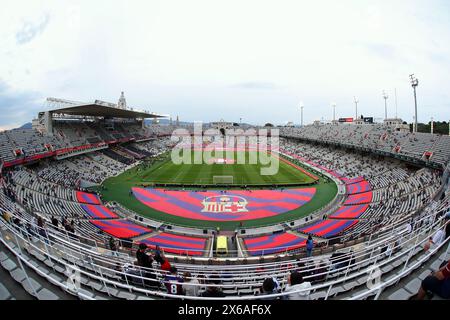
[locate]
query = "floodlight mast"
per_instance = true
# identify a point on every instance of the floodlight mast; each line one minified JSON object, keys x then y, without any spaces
{"x":356,"y":101}
{"x":414,"y":84}
{"x":432,"y":125}
{"x":334,"y":111}
{"x":385,"y":97}
{"x":301,"y":114}
{"x":396,"y":106}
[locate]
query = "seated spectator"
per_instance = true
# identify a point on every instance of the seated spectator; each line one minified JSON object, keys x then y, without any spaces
{"x":165,"y":265}
{"x":212,"y":290}
{"x":132,"y":275}
{"x":270,"y":286}
{"x":321,"y":272}
{"x":7,"y":216}
{"x":173,"y":282}
{"x":158,"y":257}
{"x":436,"y":240}
{"x":191,"y":285}
{"x":112,"y":244}
{"x":55,"y":222}
{"x":143,"y":259}
{"x":296,"y":282}
{"x":436,"y":283}
{"x":447,"y":229}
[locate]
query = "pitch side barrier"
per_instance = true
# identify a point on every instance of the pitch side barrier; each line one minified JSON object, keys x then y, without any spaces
{"x":227,"y":186}
{"x":98,"y":273}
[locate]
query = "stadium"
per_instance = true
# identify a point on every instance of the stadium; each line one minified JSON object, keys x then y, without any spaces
{"x":224,"y":158}
{"x":92,"y":190}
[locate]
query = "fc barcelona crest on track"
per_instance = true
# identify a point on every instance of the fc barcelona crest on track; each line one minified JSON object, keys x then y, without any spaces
{"x":224,"y":204}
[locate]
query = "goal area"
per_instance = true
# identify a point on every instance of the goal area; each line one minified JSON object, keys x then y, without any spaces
{"x":223,"y":179}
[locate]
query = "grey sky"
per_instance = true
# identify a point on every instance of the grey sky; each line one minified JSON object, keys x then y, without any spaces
{"x":207,"y":60}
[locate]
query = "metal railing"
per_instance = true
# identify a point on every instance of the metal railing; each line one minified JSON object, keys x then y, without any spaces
{"x":71,"y":252}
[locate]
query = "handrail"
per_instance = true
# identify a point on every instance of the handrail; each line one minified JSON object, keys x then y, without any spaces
{"x":319,"y":286}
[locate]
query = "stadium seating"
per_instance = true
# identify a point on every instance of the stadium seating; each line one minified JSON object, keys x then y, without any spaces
{"x":283,"y":242}
{"x":385,"y":218}
{"x":98,"y":212}
{"x":328,"y":228}
{"x":349,"y":212}
{"x":85,"y":197}
{"x":365,"y":197}
{"x":178,"y":244}
{"x":121,"y":229}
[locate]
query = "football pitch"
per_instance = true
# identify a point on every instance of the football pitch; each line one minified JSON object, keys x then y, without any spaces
{"x":163,"y":171}
{"x":221,"y":169}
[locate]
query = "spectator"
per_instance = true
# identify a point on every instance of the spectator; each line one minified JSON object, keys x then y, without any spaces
{"x":158,"y":257}
{"x":166,"y":264}
{"x":112,"y":244}
{"x":436,"y":240}
{"x":436,"y":283}
{"x":173,"y":282}
{"x":191,"y":285}
{"x":143,"y":259}
{"x":55,"y":222}
{"x":321,"y":272}
{"x":296,"y":282}
{"x":212,"y":290}
{"x":309,"y":246}
{"x":270,"y":286}
{"x":447,"y":229}
{"x":41,"y":229}
{"x":7,"y":216}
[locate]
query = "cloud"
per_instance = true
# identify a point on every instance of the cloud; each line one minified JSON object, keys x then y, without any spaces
{"x":17,"y":107}
{"x":255,"y":85}
{"x":31,"y":30}
{"x":204,"y":61}
{"x":384,"y":51}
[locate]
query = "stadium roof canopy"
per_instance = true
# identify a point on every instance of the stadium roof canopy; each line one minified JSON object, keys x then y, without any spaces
{"x":96,"y":109}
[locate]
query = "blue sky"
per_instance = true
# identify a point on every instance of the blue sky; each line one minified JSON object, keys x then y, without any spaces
{"x":209,"y":60}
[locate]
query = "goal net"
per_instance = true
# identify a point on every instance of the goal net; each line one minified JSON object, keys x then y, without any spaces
{"x":223,"y":179}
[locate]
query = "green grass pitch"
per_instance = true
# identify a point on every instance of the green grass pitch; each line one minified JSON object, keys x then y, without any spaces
{"x":164,"y":171}
{"x":168,"y":172}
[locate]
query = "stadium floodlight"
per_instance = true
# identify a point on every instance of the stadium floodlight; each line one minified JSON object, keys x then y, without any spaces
{"x":356,"y":101}
{"x":334,"y":110}
{"x":385,"y":97}
{"x":396,"y":106}
{"x":301,"y":114}
{"x":432,"y":125}
{"x":414,"y":84}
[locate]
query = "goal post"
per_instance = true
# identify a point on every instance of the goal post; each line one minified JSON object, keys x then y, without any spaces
{"x":223,"y":179}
